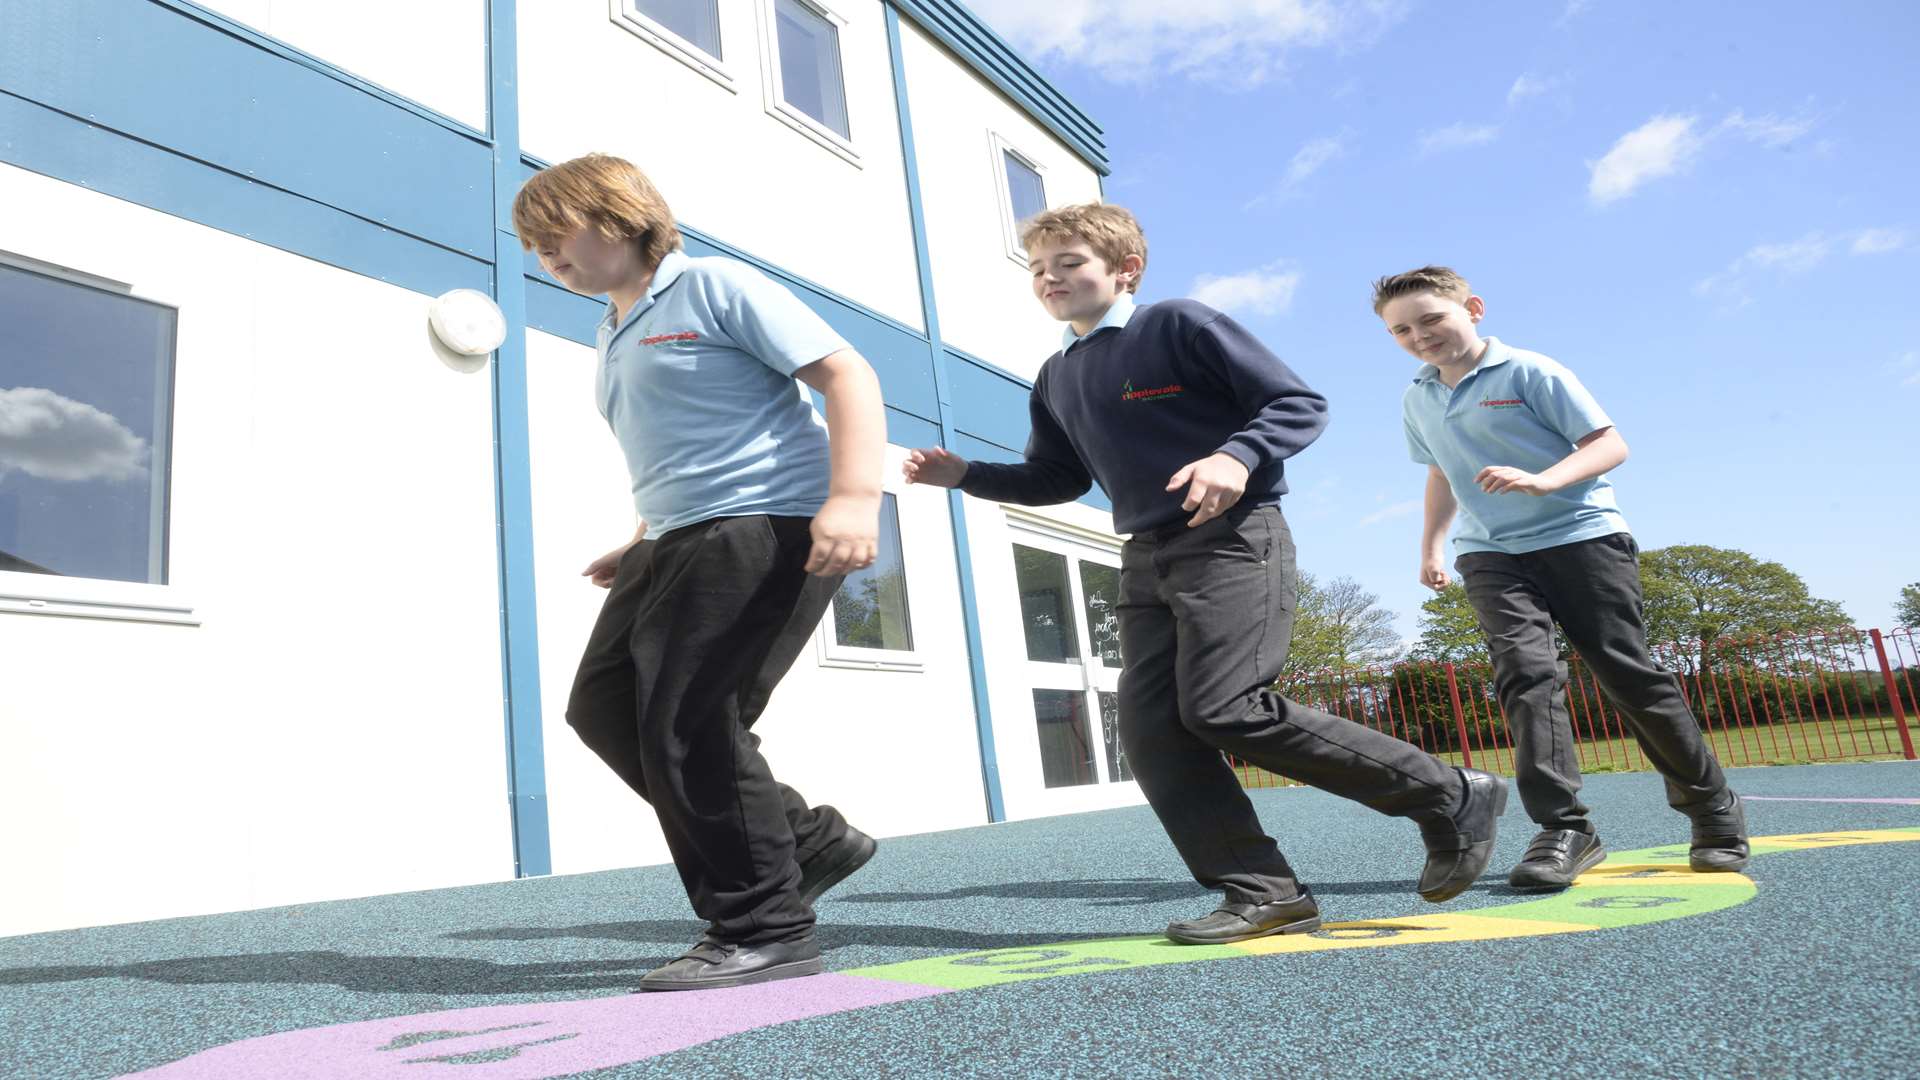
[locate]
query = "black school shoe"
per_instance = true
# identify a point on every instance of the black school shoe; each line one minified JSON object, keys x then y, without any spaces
{"x":1555,"y":858}
{"x":712,"y":964}
{"x":1458,"y":847}
{"x":1242,"y":922}
{"x":1720,"y":839}
{"x":832,"y":864}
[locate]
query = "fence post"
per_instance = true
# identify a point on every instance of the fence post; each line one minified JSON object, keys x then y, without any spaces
{"x":1460,"y":720}
{"x":1893,"y":694}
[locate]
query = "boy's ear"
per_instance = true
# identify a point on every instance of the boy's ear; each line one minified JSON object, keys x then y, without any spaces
{"x":1130,"y":268}
{"x":1476,"y":308}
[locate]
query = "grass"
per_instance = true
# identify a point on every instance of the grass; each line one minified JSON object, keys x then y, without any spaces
{"x":1875,"y":738}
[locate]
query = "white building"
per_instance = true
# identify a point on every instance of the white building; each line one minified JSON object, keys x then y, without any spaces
{"x":289,"y":608}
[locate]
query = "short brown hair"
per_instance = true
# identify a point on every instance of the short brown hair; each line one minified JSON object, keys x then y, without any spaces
{"x":598,"y":190}
{"x":1111,"y":231}
{"x":1434,"y":279}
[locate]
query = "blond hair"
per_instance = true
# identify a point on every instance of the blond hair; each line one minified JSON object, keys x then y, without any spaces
{"x":601,"y":191}
{"x":1111,"y":231}
{"x":1440,"y":280}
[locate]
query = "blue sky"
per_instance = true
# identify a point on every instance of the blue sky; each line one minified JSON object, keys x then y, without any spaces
{"x":1708,"y":210}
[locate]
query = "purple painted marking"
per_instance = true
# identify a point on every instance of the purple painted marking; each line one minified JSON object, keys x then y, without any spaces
{"x":1788,"y":798}
{"x":533,"y":1041}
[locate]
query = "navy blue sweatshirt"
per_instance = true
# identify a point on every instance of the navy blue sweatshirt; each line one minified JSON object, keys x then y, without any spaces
{"x":1129,"y":407}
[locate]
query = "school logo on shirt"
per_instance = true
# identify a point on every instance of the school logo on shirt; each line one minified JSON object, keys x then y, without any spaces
{"x":662,"y":339}
{"x":1158,"y":393}
{"x":1502,"y":403}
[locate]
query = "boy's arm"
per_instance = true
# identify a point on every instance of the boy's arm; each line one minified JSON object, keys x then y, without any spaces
{"x":1440,"y":506}
{"x":1285,"y":414}
{"x":1052,"y":472}
{"x":846,"y":530}
{"x":1595,"y":453}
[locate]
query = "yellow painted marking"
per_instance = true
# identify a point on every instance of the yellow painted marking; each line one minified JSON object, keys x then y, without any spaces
{"x":1654,"y":874}
{"x":1405,"y":931}
{"x":1807,"y":841}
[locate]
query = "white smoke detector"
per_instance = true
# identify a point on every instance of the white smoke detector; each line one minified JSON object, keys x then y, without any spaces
{"x":466,"y":326}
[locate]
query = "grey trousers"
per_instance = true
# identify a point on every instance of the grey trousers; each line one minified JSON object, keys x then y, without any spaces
{"x":1206,"y":618}
{"x":1592,"y":589}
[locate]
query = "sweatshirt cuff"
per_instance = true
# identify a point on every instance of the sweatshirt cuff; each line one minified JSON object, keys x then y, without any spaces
{"x":1241,"y":454}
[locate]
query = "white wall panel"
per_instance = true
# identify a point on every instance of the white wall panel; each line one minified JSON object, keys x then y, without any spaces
{"x":333,"y":726}
{"x":431,"y":51}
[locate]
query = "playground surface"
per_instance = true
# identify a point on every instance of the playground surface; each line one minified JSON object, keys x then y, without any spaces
{"x":1033,"y":949}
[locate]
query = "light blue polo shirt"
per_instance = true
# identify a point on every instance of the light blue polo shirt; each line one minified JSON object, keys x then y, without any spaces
{"x":1517,"y":408}
{"x":697,"y":383}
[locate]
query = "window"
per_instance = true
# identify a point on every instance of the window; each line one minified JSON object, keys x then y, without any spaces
{"x":687,"y":30}
{"x":86,"y":409}
{"x":1073,"y":658}
{"x":870,"y":625}
{"x":1023,"y":192}
{"x":805,"y":85}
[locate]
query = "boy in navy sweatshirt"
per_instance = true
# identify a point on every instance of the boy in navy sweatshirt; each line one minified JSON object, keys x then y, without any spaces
{"x":1186,"y":421}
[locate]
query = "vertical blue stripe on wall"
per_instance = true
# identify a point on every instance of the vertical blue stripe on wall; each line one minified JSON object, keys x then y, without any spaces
{"x":969,"y":600}
{"x":519,"y":641}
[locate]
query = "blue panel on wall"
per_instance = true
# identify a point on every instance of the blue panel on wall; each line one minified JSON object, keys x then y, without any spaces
{"x":53,"y":144}
{"x":161,"y":75}
{"x":988,"y":404}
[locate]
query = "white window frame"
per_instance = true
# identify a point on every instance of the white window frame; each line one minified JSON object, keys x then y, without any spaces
{"x":23,"y":593}
{"x":835,"y":655}
{"x":1010,"y":224}
{"x":627,"y":15}
{"x":775,"y":95}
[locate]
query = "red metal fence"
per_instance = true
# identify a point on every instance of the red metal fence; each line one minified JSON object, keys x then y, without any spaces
{"x":1844,"y":695}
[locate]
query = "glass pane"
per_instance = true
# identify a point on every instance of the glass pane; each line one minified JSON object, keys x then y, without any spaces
{"x":1117,"y":768}
{"x":810,"y":64}
{"x":697,"y":21}
{"x":86,"y":408}
{"x":1046,"y":605}
{"x":1066,"y":755}
{"x":1101,"y":586}
{"x":870,"y":610}
{"x":1025,"y":189}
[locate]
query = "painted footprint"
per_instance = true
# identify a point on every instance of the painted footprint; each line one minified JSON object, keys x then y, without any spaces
{"x":548,"y":1039}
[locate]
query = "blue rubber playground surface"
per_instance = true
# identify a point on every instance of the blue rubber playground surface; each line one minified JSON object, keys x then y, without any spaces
{"x":1032,"y":949}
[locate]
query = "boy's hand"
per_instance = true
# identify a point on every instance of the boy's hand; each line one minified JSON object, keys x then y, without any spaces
{"x":601,"y":570}
{"x":1433,"y":571}
{"x":935,"y":465}
{"x":1213,"y":485}
{"x":846,"y":534}
{"x":1500,"y":479}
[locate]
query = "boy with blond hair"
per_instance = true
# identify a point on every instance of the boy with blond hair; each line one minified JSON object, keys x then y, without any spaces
{"x":750,"y":513}
{"x":1515,"y":444}
{"x":1186,"y":420}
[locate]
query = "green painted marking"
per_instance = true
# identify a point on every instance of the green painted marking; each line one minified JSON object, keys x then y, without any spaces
{"x":1627,"y":904}
{"x":999,"y":966}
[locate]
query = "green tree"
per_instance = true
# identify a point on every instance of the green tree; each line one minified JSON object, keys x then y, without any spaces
{"x":1449,"y":632}
{"x":1697,"y":595}
{"x":1907,"y":611}
{"x":1337,"y":625}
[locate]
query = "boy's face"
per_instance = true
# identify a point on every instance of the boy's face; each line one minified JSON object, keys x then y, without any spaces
{"x":1434,"y":328}
{"x":590,"y":264}
{"x":1074,"y":284}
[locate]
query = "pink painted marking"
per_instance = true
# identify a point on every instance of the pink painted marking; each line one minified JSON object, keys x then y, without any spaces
{"x":1790,"y":798}
{"x":536,"y":1040}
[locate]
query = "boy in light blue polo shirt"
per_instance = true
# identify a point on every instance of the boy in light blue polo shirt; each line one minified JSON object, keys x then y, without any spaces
{"x":1519,"y":448}
{"x":750,"y":513}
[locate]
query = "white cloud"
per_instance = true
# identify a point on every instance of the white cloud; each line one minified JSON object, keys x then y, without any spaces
{"x":1237,"y":42}
{"x":1666,"y":145}
{"x":1265,"y":291}
{"x":1396,"y":510}
{"x":1527,"y":86}
{"x":1907,"y":369}
{"x":1457,"y":137}
{"x":1878,"y":241}
{"x":1660,"y":147}
{"x":57,"y":438}
{"x":1793,"y":257}
{"x":1306,"y":161}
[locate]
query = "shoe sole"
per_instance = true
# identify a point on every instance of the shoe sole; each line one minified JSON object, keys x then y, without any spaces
{"x":852,"y":861}
{"x":1587,"y":862}
{"x":1723,"y":868}
{"x":1485,"y":849}
{"x":1299,"y":926}
{"x":792,"y":969}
